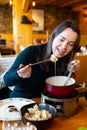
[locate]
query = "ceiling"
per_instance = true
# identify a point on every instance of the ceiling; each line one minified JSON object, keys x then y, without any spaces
{"x":76,"y":5}
{"x":2,"y":2}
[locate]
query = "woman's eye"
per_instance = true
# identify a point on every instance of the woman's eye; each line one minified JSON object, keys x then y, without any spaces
{"x":71,"y":44}
{"x":61,"y":40}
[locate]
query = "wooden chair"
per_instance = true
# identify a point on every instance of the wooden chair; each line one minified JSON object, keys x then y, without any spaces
{"x":81,"y":74}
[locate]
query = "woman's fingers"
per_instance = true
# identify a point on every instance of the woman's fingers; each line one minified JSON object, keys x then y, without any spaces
{"x":25,"y":72}
{"x":75,"y":63}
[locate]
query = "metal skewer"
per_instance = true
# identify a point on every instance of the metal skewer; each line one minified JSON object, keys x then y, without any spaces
{"x":39,"y":62}
{"x":53,"y":58}
{"x":33,"y":64}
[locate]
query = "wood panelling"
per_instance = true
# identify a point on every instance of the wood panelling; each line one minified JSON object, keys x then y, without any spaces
{"x":9,"y":38}
{"x":4,"y":2}
{"x":26,"y":5}
{"x":74,"y":4}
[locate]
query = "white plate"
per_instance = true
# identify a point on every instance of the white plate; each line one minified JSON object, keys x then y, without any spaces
{"x":17,"y":102}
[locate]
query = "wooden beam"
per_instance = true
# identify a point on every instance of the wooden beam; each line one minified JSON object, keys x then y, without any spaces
{"x":27,"y":5}
{"x":3,"y":2}
{"x":79,"y":8}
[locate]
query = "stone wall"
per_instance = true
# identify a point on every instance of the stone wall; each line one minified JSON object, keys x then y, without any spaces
{"x":6,"y":25}
{"x":53,"y":16}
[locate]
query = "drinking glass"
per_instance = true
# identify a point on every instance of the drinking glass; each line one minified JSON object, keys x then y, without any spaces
{"x":17,"y":125}
{"x":12,"y":125}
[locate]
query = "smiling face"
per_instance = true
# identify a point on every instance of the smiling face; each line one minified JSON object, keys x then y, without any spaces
{"x":64,"y":43}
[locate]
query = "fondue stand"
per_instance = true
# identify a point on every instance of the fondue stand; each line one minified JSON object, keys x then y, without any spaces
{"x":71,"y":123}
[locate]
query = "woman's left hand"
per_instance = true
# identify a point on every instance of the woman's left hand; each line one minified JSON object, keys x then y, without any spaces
{"x":76,"y":64}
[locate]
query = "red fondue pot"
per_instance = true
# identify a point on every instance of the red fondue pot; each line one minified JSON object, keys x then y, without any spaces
{"x":55,"y":86}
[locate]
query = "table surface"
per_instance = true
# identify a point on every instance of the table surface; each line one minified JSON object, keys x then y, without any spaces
{"x":70,"y":123}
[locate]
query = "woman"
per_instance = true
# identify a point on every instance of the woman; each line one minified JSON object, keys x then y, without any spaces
{"x":29,"y":80}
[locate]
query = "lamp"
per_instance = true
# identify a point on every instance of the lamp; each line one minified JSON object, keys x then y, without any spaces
{"x":25,"y":20}
{"x":33,"y":3}
{"x":10,"y":2}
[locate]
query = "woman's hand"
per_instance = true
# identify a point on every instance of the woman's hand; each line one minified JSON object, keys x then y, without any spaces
{"x":76,"y":64}
{"x":24,"y":71}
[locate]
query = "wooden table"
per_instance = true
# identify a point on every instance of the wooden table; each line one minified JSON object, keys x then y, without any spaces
{"x":71,"y":123}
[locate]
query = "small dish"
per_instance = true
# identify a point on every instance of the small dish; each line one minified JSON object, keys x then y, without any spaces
{"x":40,"y":124}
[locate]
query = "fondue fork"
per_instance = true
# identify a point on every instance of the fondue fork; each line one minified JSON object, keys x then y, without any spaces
{"x":53,"y":58}
{"x":33,"y":64}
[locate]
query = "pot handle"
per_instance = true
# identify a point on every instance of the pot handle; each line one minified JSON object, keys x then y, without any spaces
{"x":81,"y":88}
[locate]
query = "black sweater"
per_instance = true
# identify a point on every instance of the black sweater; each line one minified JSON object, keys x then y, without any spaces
{"x":29,"y":87}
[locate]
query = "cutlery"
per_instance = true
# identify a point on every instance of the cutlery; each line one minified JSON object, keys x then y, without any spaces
{"x":33,"y":64}
{"x":71,"y":70}
{"x":68,"y":77}
{"x":53,"y":58}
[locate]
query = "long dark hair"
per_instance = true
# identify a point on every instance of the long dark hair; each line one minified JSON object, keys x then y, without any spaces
{"x":47,"y":51}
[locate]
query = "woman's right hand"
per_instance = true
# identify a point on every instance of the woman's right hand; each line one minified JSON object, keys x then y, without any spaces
{"x":75,"y":63}
{"x":24,"y":71}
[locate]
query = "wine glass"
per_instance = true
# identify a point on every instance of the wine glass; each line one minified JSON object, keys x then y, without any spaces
{"x":17,"y":125}
{"x":12,"y":125}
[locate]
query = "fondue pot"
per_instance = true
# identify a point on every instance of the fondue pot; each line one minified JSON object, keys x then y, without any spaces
{"x":55,"y":86}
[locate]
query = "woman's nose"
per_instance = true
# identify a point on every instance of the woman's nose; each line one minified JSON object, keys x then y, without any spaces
{"x":64,"y":45}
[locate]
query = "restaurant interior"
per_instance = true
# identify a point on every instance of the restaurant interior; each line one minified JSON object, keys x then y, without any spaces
{"x":30,"y":22}
{"x":15,"y":35}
